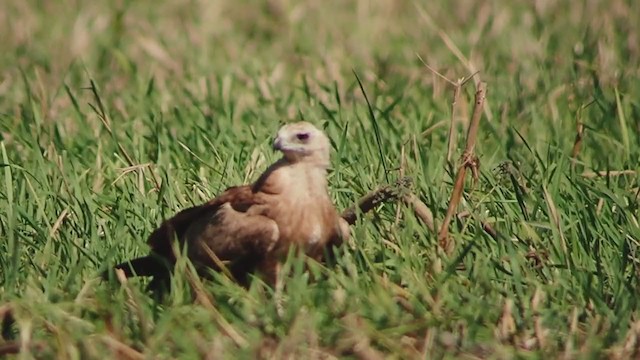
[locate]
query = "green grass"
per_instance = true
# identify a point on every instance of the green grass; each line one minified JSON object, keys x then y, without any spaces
{"x":116,"y":114}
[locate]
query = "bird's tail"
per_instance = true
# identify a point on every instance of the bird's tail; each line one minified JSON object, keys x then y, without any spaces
{"x":150,"y":265}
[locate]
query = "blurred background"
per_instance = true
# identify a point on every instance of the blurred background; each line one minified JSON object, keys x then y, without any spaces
{"x":521,"y":48}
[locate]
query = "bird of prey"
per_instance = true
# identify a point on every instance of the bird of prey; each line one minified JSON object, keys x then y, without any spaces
{"x":249,"y":228}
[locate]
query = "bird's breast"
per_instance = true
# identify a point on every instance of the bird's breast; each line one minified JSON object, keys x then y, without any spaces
{"x":296,"y":199}
{"x":306,"y":225}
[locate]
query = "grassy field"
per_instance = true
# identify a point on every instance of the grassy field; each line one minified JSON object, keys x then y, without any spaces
{"x":116,"y":114}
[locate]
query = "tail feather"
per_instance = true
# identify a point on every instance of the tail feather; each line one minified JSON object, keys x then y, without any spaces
{"x":149,"y":265}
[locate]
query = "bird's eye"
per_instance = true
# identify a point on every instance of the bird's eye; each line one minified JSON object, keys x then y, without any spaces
{"x":302,"y":136}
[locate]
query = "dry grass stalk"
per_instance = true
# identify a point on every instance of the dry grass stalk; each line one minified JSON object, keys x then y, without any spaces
{"x":506,"y":327}
{"x":122,"y":350}
{"x":604,"y":173}
{"x":144,"y":325}
{"x":204,"y":299}
{"x":468,"y":160}
{"x":401,"y":175}
{"x":359,"y":344}
{"x":452,"y":125}
{"x":101,"y":112}
{"x":573,"y":329}
{"x":631,"y":347}
{"x":556,"y":220}
{"x":578,"y":141}
{"x":455,"y":50}
{"x":540,"y":331}
{"x":457,"y":86}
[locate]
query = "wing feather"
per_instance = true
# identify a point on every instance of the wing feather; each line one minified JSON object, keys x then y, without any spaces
{"x":226,"y":230}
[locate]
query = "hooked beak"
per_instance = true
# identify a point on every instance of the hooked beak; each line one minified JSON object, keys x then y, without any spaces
{"x":277,"y":144}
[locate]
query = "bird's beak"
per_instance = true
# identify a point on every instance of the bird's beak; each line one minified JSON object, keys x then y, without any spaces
{"x":277,"y":144}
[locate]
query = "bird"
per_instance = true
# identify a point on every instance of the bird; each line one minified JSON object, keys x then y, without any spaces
{"x":249,"y":229}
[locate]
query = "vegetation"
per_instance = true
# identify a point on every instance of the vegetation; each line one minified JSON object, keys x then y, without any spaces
{"x":116,"y":114}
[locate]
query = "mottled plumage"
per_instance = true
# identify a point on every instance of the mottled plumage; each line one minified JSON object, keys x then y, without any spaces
{"x":249,"y":228}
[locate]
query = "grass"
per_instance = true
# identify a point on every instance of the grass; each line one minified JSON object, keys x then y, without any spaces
{"x":116,"y":114}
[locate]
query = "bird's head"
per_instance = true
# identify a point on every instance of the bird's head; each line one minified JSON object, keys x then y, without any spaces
{"x":303,"y":142}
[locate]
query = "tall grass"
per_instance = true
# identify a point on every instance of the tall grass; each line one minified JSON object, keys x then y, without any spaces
{"x":116,"y":114}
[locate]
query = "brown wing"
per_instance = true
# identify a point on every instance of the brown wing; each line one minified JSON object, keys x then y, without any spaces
{"x":221,"y":233}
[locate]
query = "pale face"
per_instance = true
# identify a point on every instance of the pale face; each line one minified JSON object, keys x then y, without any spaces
{"x":303,"y":142}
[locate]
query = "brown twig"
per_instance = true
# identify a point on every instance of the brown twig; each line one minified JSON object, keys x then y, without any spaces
{"x":468,"y":158}
{"x":9,"y":348}
{"x":14,"y":347}
{"x":421,"y":210}
{"x":489,"y":230}
{"x":485,"y":225}
{"x":400,"y":190}
{"x":578,"y":141}
{"x":375,"y":198}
